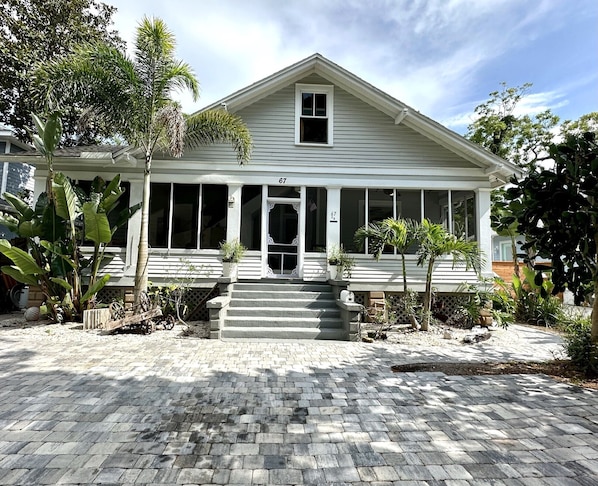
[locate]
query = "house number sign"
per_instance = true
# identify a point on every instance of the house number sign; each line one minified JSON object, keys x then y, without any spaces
{"x":282,"y":180}
{"x":333,"y":217}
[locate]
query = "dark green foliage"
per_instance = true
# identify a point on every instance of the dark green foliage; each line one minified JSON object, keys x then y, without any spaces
{"x":557,"y":211}
{"x":580,"y":347}
{"x":34,"y":31}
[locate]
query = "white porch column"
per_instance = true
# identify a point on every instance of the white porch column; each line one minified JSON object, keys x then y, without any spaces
{"x":233,"y":215}
{"x":483,"y":205}
{"x":333,"y":221}
{"x":134,"y":227}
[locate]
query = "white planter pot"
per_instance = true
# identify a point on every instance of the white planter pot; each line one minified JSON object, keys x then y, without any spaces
{"x":229,"y":269}
{"x":335,"y":272}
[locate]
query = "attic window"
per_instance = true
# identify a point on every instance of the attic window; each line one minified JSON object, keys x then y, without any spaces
{"x":313,"y":114}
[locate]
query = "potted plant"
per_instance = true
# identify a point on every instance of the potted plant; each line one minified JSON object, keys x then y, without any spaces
{"x":340,"y":263}
{"x":231,"y":252}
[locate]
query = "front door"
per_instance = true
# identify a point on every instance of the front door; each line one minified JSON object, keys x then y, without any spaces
{"x":283,"y":239}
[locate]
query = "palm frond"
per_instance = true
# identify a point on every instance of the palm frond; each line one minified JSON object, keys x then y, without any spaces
{"x":217,"y":126}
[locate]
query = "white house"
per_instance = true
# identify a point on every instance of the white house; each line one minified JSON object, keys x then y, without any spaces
{"x":331,"y":153}
{"x":14,"y":177}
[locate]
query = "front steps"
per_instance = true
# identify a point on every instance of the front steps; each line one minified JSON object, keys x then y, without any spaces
{"x":282,"y":310}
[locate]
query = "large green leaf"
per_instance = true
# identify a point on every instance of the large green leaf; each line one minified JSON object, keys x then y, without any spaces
{"x":24,"y":210}
{"x":97,"y":227}
{"x":50,"y":132}
{"x":22,"y":260}
{"x":68,"y":205}
{"x":58,"y":250}
{"x":94,"y":289}
{"x":62,"y":282}
{"x":19,"y":276}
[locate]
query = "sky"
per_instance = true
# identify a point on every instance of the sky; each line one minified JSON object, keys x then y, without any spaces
{"x":440,"y":57}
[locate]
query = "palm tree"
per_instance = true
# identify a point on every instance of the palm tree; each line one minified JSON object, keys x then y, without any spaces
{"x":435,"y":242}
{"x":401,"y":234}
{"x":134,"y":97}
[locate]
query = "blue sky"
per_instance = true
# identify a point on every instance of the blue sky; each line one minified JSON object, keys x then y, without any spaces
{"x":441,"y":57}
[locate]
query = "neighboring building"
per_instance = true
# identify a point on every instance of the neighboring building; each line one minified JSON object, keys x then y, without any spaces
{"x":15,"y":178}
{"x":331,"y":153}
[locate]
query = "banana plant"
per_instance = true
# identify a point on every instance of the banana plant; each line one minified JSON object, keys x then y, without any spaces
{"x":63,"y":219}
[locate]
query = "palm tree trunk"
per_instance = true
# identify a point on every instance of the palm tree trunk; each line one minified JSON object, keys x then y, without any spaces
{"x":142,"y":253}
{"x":427,"y":310}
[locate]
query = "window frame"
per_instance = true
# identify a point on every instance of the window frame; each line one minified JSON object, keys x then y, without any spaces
{"x":314,"y":89}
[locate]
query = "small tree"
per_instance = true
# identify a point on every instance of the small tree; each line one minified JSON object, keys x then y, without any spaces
{"x":133,"y":96}
{"x":400,"y":234}
{"x":434,"y":242}
{"x":557,"y":211}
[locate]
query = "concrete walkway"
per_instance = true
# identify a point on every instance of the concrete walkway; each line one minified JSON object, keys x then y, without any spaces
{"x":162,"y":409}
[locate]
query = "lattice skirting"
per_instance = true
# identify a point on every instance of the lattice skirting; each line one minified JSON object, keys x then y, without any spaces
{"x":195,"y":299}
{"x":445,"y":304}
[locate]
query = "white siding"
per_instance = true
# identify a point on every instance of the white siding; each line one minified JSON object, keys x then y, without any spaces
{"x":364,"y":139}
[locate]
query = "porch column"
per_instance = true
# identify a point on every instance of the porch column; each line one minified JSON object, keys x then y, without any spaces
{"x":333,"y":221}
{"x":483,"y":205}
{"x":233,"y":215}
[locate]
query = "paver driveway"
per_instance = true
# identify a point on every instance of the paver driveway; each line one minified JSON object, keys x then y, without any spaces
{"x":90,"y":409}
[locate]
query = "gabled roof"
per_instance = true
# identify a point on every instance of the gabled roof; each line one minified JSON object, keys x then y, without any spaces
{"x":496,"y":167}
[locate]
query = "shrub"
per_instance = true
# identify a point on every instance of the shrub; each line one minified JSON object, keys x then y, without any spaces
{"x":579,"y":346}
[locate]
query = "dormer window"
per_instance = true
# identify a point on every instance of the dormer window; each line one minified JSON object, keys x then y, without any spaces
{"x":313,"y":113}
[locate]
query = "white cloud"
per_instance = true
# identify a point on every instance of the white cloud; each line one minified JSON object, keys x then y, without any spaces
{"x":432,"y":55}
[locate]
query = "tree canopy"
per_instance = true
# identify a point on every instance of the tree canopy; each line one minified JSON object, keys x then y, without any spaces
{"x":520,"y":139}
{"x":35,"y":31}
{"x":133,"y":96}
{"x":557,"y":211}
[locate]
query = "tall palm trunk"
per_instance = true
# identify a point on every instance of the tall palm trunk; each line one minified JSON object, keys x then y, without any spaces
{"x":427,"y":310}
{"x":142,"y":253}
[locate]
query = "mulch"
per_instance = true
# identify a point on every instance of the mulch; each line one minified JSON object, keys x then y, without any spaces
{"x":561,"y":370}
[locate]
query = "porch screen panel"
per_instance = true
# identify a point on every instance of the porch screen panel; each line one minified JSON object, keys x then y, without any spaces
{"x":184,"y":217}
{"x":159,"y":221}
{"x":119,"y":238}
{"x":380,"y":202}
{"x":251,"y":217}
{"x":213,"y":215}
{"x":352,"y":216}
{"x":409,"y":204}
{"x":315,"y":219}
{"x":464,"y":218}
{"x":436,"y":207}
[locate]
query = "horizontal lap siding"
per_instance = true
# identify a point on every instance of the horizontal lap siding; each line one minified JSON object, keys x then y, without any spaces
{"x":363,"y":137}
{"x":315,"y":267}
{"x":176,"y":266}
{"x":390,"y":270}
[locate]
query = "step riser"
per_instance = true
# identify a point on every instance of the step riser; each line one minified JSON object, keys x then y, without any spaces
{"x":249,"y":322}
{"x":299,"y":304}
{"x":280,"y":295}
{"x":283,"y":287}
{"x":267,"y":313}
{"x":234,"y":333}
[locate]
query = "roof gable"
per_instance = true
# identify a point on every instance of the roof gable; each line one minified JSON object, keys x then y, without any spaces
{"x":497,"y":168}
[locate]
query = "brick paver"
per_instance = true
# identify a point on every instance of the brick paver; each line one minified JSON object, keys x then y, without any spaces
{"x":162,"y":409}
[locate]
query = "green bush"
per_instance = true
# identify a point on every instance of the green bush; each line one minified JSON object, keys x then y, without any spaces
{"x":579,"y":346}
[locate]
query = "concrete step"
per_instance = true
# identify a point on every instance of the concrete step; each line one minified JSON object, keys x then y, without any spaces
{"x":303,"y":303}
{"x":290,"y":312}
{"x":282,"y":310}
{"x":278,"y":333}
{"x":282,"y":286}
{"x":297,"y":322}
{"x":281,"y":294}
